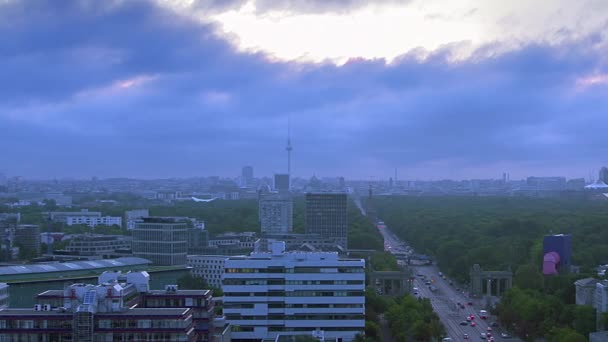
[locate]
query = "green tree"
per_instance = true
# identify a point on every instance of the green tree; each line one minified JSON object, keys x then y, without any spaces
{"x":188,"y":282}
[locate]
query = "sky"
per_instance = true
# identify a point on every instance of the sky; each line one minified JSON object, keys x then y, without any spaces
{"x":180,"y":88}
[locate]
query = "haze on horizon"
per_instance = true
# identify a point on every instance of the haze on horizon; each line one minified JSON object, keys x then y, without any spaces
{"x":181,"y":88}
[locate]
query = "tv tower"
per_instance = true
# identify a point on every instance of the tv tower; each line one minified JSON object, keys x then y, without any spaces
{"x":289,"y":148}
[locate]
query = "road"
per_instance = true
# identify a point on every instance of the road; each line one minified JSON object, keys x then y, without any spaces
{"x":445,"y":298}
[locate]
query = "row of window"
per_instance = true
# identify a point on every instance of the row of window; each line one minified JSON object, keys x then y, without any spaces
{"x":237,"y":317}
{"x":298,"y":270}
{"x":290,"y":282}
{"x":300,"y":293}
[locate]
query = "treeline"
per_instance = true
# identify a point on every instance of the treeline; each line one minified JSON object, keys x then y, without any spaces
{"x":496,"y":232}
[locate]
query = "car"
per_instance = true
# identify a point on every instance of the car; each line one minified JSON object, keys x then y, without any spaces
{"x":468,"y":318}
{"x":473,"y":324}
{"x":462,"y":306}
{"x":505,"y":335}
{"x":489,"y":334}
{"x":464,"y":323}
{"x":427,"y":283}
{"x":465,"y":336}
{"x":472,"y":317}
{"x":483,"y":335}
{"x":489,"y":329}
{"x":494,"y":325}
{"x":470,"y":303}
{"x":451,"y":283}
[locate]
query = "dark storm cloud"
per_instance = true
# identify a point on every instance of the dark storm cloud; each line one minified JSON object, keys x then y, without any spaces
{"x":155,"y":94}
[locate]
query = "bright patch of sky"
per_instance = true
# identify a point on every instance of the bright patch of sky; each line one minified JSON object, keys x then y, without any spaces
{"x":389,"y":29}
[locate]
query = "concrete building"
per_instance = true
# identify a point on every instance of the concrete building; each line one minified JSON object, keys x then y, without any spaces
{"x":92,"y":221}
{"x":247,"y":175}
{"x":326,"y":215}
{"x":300,"y":242}
{"x":276,"y":213}
{"x":162,"y":240}
{"x":601,"y":302}
{"x":585,"y":291}
{"x":61,"y":216}
{"x":120,"y":308}
{"x":102,"y":246}
{"x":4,"y":297}
{"x":209,"y":267}
{"x":133,"y":215}
{"x":281,"y":182}
{"x":27,"y":236}
{"x":267,"y":295}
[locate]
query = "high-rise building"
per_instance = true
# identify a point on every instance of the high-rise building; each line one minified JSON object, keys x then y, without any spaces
{"x":132,"y":215}
{"x":281,"y":182}
{"x":208,"y":267}
{"x":162,"y":240}
{"x":604,"y":174}
{"x":267,"y":295}
{"x":247,"y":175}
{"x":276,"y":212}
{"x":326,"y":215}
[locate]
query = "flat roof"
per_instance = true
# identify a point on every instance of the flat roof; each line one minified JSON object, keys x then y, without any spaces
{"x":72,"y":266}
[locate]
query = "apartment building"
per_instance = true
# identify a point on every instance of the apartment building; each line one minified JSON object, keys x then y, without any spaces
{"x":267,"y":295}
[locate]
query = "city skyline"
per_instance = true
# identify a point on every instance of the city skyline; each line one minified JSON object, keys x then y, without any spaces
{"x":159,"y":89}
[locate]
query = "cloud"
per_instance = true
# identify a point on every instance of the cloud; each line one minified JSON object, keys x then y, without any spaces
{"x":144,"y":91}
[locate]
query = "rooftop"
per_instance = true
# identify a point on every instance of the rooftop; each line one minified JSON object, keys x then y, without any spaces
{"x":72,"y":266}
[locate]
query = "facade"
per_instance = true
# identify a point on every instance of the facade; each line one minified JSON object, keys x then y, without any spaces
{"x":27,"y":236}
{"x":601,"y":302}
{"x":133,"y":215}
{"x":3,"y":296}
{"x":208,"y":267}
{"x":60,"y":216}
{"x":93,"y":221}
{"x":267,"y":295}
{"x":281,"y":182}
{"x":557,"y":254}
{"x":120,"y":308}
{"x":302,"y":242}
{"x":164,"y":241}
{"x":247,"y":175}
{"x":585,"y":291}
{"x":98,"y":245}
{"x":276,"y":213}
{"x":326,"y":215}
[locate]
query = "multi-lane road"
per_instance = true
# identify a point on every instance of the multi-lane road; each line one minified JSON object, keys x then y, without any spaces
{"x":445,"y":297}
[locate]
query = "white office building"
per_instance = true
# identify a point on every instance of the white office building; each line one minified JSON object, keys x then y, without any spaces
{"x":279,"y":293}
{"x":208,"y":267}
{"x":93,"y":221}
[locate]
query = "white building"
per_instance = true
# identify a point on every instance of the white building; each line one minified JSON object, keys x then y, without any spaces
{"x":93,"y":221}
{"x":208,"y":267}
{"x":3,"y":296}
{"x":601,"y":302}
{"x":278,"y":293}
{"x":132,"y":215}
{"x":276,"y":213}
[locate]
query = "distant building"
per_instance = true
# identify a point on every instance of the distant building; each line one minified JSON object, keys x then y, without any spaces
{"x":198,"y":238}
{"x":557,"y":254}
{"x":301,"y":242}
{"x":603,"y":175}
{"x":120,"y":308}
{"x":585,"y":291}
{"x":61,"y":216}
{"x":103,"y":246}
{"x":27,"y":236}
{"x":547,"y":183}
{"x":326,"y":215}
{"x":276,"y":212}
{"x":281,"y":182}
{"x":133,"y":215}
{"x":267,"y":295}
{"x":3,"y":296}
{"x":164,"y":241}
{"x":94,"y":221}
{"x":601,"y":302}
{"x":247,"y":175}
{"x":208,"y":267}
